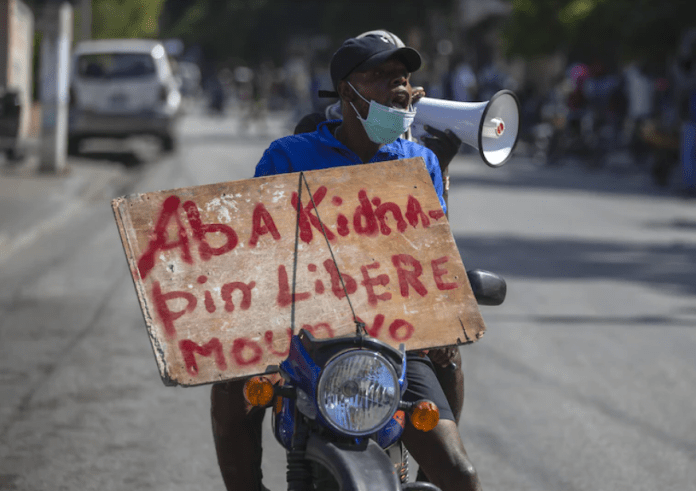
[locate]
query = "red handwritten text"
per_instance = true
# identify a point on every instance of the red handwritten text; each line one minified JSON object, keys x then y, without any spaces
{"x":244,"y":351}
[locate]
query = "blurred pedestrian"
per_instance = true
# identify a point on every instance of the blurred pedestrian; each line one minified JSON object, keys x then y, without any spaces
{"x":463,"y":80}
{"x":685,"y":77}
{"x":215,"y":93}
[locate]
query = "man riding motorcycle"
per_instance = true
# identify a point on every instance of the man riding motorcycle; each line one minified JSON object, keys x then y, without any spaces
{"x":371,"y":76}
{"x":445,"y":145}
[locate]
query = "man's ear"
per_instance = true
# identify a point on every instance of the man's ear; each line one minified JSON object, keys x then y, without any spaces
{"x":345,"y":92}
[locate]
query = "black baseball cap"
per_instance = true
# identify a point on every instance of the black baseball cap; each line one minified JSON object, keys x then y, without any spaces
{"x":361,"y":54}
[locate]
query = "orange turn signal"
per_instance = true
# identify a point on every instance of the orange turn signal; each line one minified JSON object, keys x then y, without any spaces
{"x":425,"y":416}
{"x":258,"y":391}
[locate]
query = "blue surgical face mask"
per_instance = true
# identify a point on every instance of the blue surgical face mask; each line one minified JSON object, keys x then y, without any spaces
{"x":384,"y":124}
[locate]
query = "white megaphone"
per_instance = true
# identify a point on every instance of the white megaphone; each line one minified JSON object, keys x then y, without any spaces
{"x":492,"y":127}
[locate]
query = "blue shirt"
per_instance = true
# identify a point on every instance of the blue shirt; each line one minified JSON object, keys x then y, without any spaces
{"x":321,"y":150}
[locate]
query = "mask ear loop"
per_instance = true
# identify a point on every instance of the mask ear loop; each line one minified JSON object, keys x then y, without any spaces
{"x":351,"y":104}
{"x":356,"y":91}
{"x":357,"y":113}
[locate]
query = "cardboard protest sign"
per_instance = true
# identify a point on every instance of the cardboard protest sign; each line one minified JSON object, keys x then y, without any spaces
{"x":213,"y":267}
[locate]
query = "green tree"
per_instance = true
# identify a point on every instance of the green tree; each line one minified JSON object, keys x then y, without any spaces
{"x":587,"y":29}
{"x":126,"y":18}
{"x":253,"y":30}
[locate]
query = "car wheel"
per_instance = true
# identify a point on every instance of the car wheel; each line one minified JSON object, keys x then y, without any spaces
{"x":14,"y":154}
{"x":74,"y":145}
{"x":168,"y":143}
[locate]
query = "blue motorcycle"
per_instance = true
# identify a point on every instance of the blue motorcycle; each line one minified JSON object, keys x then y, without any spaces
{"x":340,"y":414}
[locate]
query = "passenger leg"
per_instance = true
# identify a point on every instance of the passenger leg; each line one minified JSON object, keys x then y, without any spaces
{"x":441,"y":455}
{"x":237,"y":434}
{"x":451,"y":378}
{"x":440,"y":452}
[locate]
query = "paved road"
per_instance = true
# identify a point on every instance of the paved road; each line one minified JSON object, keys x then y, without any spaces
{"x":584,"y":380}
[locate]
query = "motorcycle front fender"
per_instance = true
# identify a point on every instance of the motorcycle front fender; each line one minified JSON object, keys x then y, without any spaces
{"x":356,"y":468}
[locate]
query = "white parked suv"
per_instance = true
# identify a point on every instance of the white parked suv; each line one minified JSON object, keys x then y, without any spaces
{"x":120,"y":88}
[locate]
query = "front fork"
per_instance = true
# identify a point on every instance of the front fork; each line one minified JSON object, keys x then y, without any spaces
{"x":299,"y":469}
{"x":347,"y":466}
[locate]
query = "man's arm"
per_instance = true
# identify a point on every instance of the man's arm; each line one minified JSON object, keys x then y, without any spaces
{"x":274,"y":161}
{"x":431,"y":164}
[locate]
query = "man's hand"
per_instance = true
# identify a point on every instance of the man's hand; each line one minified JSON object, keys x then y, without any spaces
{"x":443,"y":356}
{"x":444,"y":144}
{"x":417,"y":93}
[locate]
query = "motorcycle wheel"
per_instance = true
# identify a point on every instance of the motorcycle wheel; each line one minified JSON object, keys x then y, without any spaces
{"x":322,"y":479}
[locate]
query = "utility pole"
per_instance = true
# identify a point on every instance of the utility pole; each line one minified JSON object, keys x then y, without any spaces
{"x":57,"y":24}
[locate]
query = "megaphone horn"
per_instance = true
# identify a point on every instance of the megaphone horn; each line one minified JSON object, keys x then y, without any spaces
{"x":492,"y":127}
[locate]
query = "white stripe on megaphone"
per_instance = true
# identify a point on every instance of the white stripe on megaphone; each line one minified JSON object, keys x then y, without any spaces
{"x":491,"y":127}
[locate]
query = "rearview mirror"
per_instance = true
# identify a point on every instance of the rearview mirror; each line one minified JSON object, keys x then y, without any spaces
{"x":488,"y":288}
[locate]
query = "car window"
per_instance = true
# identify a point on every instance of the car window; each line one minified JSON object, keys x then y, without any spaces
{"x":115,"y":65}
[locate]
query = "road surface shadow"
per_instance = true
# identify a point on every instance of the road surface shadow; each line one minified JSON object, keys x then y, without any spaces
{"x":676,"y":224}
{"x":657,"y":265}
{"x":598,"y":320}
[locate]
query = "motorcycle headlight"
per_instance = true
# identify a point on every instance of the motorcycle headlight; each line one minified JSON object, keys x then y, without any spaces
{"x":358,"y":392}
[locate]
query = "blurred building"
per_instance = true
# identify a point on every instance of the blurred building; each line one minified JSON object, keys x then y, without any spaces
{"x":472,"y":12}
{"x":16,"y":55}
